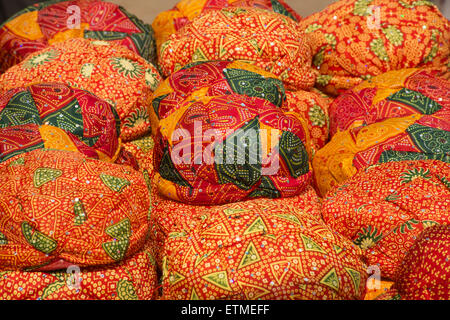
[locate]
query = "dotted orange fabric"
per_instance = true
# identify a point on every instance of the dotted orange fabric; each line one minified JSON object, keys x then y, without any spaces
{"x":141,"y":150}
{"x":269,"y":40}
{"x":108,"y":70}
{"x":170,"y":21}
{"x":258,"y":249}
{"x":59,"y":205}
{"x":313,"y":107}
{"x":48,"y":22}
{"x":354,"y":40}
{"x":132,"y":279}
{"x":384,"y":208}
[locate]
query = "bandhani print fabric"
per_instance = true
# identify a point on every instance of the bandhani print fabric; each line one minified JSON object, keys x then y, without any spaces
{"x":212,"y":79}
{"x":215,"y":150}
{"x":107,"y":70}
{"x":354,"y":40}
{"x":424,"y":273}
{"x":269,"y":40}
{"x":170,"y":21}
{"x":141,"y":150}
{"x":393,"y":94}
{"x":261,"y":249}
{"x":218,"y":78}
{"x":43,"y":24}
{"x":55,"y":116}
{"x":384,"y":208}
{"x":170,"y":216}
{"x":132,"y":279}
{"x":313,"y":107}
{"x":63,"y":208}
{"x":416,"y":137}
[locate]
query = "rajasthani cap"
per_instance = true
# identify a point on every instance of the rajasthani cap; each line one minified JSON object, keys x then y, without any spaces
{"x":45,"y":23}
{"x":134,"y":278}
{"x":108,"y":70}
{"x":354,"y":40}
{"x":217,"y":78}
{"x":393,"y":94}
{"x":267,"y":39}
{"x":61,"y":208}
{"x":55,"y":116}
{"x":229,"y":148}
{"x":260,"y":249}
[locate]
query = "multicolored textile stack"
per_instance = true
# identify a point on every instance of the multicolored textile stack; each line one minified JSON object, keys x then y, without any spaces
{"x":236,"y":176}
{"x":224,"y":104}
{"x":354,"y":40}
{"x":74,"y":194}
{"x":110,"y":71}
{"x":43,"y":24}
{"x":171,"y":21}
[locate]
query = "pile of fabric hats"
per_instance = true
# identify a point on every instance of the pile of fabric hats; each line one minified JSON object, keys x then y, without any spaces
{"x":231,"y":150}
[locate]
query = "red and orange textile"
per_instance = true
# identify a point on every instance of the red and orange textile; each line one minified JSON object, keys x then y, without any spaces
{"x":424,"y":273}
{"x":170,"y":21}
{"x":269,"y":40}
{"x":62,"y":208}
{"x":141,"y":150}
{"x":110,"y":71}
{"x":55,"y":116}
{"x":132,"y":279}
{"x":218,"y":78}
{"x":423,"y":134}
{"x":257,"y":249}
{"x":223,"y":149}
{"x":393,"y":94}
{"x":385,"y":207}
{"x":354,"y":40}
{"x":48,"y":22}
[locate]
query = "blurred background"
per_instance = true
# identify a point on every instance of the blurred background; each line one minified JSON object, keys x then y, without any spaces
{"x":147,"y":10}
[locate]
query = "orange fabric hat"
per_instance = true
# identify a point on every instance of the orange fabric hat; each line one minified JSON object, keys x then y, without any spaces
{"x":110,"y":71}
{"x":62,"y":207}
{"x":257,"y":249}
{"x":384,"y":208}
{"x":170,"y":21}
{"x":42,"y":24}
{"x":55,"y":116}
{"x":267,"y":39}
{"x":132,"y":279}
{"x":354,"y":40}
